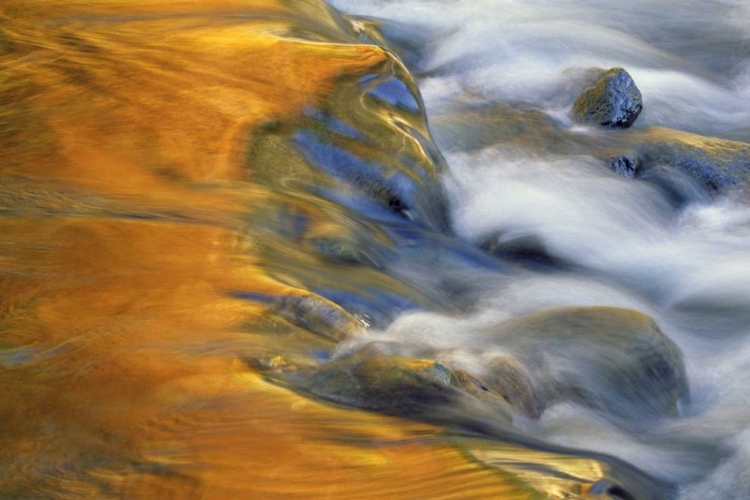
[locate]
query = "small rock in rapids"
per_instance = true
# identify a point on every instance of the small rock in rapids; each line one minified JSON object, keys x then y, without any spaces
{"x":613,"y":101}
{"x":318,"y":315}
{"x":485,"y":392}
{"x":626,"y":166}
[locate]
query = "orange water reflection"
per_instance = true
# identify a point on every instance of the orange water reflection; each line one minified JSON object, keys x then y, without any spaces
{"x":125,"y":193}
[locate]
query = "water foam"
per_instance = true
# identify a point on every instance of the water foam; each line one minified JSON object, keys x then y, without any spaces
{"x":691,"y":66}
{"x":623,"y":242}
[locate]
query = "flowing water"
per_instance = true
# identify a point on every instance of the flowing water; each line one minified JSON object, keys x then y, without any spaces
{"x":620,"y":243}
{"x":273,"y":249}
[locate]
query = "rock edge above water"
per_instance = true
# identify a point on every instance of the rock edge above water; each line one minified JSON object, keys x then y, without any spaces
{"x":613,"y":101}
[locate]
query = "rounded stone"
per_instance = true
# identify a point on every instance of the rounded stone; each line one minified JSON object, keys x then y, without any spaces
{"x":410,"y":387}
{"x":612,"y":101}
{"x":612,"y":359}
{"x":512,"y":382}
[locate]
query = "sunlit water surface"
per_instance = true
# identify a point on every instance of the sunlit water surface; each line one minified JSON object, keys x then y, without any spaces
{"x":195,"y":196}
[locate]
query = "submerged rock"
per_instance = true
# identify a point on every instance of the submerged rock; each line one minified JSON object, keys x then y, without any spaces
{"x":611,"y":359}
{"x":613,"y":101}
{"x":513,"y":382}
{"x":717,"y":165}
{"x":607,"y":489}
{"x":525,"y":249}
{"x":397,"y":385}
{"x":626,"y":166}
{"x":318,"y":315}
{"x":473,"y":127}
{"x":342,"y":151}
{"x":485,"y":393}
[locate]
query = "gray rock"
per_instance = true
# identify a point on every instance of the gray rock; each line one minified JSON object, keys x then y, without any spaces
{"x":613,"y":101}
{"x":513,"y":383}
{"x":613,"y":360}
{"x":616,"y":360}
{"x":472,"y":127}
{"x":626,"y":166}
{"x":717,"y":165}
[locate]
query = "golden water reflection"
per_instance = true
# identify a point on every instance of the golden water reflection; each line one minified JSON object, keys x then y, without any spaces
{"x":126,"y":197}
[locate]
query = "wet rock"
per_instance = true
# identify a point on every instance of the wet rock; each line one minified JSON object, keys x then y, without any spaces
{"x":396,"y":385}
{"x":486,"y":393}
{"x":611,"y":359}
{"x":525,"y":249}
{"x":343,"y":151}
{"x":318,"y":315}
{"x":471,"y":128}
{"x":606,"y":488}
{"x":626,"y":166}
{"x":718,"y":165}
{"x":613,"y":101}
{"x":513,"y":383}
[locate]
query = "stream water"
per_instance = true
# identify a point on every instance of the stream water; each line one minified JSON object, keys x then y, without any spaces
{"x":271,"y":249}
{"x":613,"y":241}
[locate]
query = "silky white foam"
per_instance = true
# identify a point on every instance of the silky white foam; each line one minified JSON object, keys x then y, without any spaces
{"x":625,"y":243}
{"x":690,"y":64}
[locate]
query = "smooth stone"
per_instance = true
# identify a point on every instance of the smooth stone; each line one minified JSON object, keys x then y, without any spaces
{"x":342,"y":151}
{"x":396,"y":385}
{"x":608,"y":358}
{"x":509,"y":378}
{"x":318,"y":315}
{"x":525,"y":249}
{"x":472,"y":128}
{"x":605,"y":488}
{"x":486,"y":393}
{"x":718,"y":165}
{"x":613,"y":101}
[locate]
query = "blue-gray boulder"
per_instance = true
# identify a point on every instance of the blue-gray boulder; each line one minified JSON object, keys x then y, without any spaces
{"x":612,"y":101}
